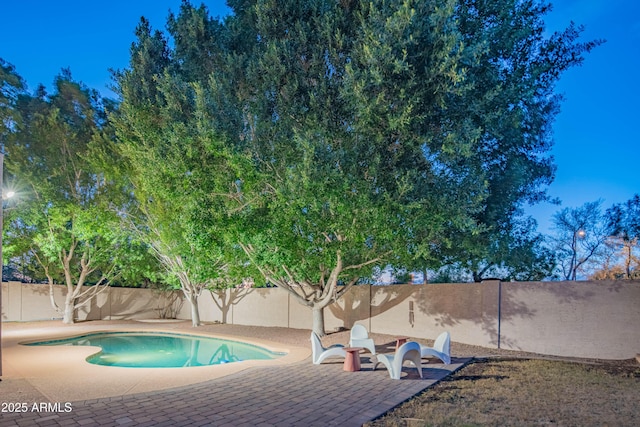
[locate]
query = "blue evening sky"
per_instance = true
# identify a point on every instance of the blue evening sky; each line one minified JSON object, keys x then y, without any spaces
{"x":596,"y":143}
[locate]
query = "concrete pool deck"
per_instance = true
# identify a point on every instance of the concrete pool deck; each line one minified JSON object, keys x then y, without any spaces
{"x":288,"y":391}
{"x":59,"y":373}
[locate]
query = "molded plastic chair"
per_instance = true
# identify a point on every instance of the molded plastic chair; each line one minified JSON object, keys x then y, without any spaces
{"x":319,"y":353}
{"x":441,"y":348}
{"x":393,"y":362}
{"x":360,"y":338}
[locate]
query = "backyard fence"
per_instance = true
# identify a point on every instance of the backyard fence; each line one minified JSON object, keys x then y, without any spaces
{"x":597,"y":319}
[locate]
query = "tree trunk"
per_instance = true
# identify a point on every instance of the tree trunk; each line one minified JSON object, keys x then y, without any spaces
{"x":52,"y":298}
{"x":318,"y":320}
{"x":195,"y":312}
{"x":628,"y":261}
{"x":69,"y":311}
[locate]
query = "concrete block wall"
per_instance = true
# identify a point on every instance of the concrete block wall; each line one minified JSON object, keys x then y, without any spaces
{"x":468,"y":311}
{"x":28,"y":302}
{"x":598,"y":319}
{"x":576,"y":319}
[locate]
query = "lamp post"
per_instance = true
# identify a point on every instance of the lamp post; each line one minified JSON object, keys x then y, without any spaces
{"x":578,"y":234}
{"x":9,"y":194}
{"x":1,"y":262}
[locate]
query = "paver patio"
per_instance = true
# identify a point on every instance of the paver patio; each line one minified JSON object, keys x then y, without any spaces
{"x":298,"y":394}
{"x":301,"y":394}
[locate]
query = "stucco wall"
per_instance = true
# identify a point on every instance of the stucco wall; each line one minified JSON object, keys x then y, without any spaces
{"x":580,"y":319}
{"x":25,"y":302}
{"x":583,"y":319}
{"x":468,"y":311}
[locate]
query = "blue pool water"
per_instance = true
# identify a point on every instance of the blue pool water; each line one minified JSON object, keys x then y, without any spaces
{"x":163,"y":350}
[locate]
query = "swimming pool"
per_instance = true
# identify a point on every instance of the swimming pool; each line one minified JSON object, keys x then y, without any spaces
{"x":163,"y":350}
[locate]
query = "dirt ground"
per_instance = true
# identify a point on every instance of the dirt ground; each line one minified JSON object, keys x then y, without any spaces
{"x":503,"y":391}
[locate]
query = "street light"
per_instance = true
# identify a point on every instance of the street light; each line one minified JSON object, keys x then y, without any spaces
{"x":8,"y":195}
{"x":578,"y":234}
{"x":1,"y":262}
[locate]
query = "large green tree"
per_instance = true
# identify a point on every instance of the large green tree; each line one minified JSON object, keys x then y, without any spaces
{"x":343,"y":118}
{"x":516,"y":254}
{"x":12,"y":85}
{"x":378,"y":133}
{"x":173,"y":158}
{"x":65,"y":218}
{"x":511,"y":105}
{"x":407,"y":133}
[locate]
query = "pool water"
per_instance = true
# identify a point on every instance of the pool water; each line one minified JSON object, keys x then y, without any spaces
{"x":163,"y":350}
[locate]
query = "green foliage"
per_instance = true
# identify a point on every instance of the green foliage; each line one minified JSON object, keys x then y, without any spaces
{"x":336,"y":116}
{"x":326,"y":139}
{"x":516,"y":254}
{"x":11,"y":87}
{"x":508,"y":106}
{"x":400,"y":132}
{"x":64,"y":217}
{"x":318,"y":140}
{"x":178,"y":208}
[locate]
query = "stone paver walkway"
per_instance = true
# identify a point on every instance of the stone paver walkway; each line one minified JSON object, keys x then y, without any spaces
{"x":301,"y":394}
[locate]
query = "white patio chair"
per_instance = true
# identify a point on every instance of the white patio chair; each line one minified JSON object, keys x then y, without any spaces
{"x":393,"y":362}
{"x":319,"y":353}
{"x":441,"y":348}
{"x":360,"y":338}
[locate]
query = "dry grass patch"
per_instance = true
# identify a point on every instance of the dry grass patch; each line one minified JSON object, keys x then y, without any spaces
{"x":527,"y":392}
